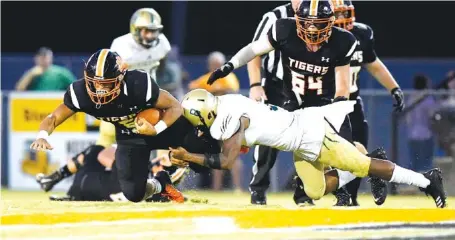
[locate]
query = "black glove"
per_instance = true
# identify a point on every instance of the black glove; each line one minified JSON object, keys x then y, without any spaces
{"x":221,"y":72}
{"x":399,"y":99}
{"x":339,"y":99}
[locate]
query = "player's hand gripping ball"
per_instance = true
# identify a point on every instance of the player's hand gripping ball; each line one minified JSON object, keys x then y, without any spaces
{"x":146,"y":120}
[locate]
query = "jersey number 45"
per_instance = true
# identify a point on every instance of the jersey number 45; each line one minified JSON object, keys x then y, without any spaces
{"x":301,"y":82}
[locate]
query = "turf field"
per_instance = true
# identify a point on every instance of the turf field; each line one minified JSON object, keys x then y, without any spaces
{"x":226,"y":215}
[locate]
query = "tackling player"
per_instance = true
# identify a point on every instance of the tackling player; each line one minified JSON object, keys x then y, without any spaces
{"x":312,"y":134}
{"x":364,"y":56}
{"x":114,"y":94}
{"x":316,"y":61}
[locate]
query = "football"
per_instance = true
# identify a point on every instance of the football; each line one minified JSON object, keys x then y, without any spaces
{"x":151,"y":115}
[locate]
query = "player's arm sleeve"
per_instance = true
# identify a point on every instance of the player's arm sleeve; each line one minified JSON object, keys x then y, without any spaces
{"x":347,"y":51}
{"x":70,"y":99}
{"x":248,"y":53}
{"x":369,"y":54}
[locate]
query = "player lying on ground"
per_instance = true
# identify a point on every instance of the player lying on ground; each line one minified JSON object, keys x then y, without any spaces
{"x":114,"y":94}
{"x":310,"y":133}
{"x":95,"y":176}
{"x":316,"y":60}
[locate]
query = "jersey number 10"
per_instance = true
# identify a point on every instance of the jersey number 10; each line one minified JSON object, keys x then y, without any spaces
{"x":301,"y":82}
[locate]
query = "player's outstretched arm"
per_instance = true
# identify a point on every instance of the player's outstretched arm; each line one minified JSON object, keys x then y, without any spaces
{"x":246,"y":54}
{"x":342,"y":81}
{"x":48,"y":125}
{"x":224,"y":160}
{"x":379,"y":71}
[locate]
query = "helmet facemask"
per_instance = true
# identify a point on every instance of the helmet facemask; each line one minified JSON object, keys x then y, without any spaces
{"x":142,"y":34}
{"x":314,"y":30}
{"x":102,"y":91}
{"x":344,"y":17}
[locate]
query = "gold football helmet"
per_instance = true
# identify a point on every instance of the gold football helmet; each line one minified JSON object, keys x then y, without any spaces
{"x":199,"y":107}
{"x":149,"y":20}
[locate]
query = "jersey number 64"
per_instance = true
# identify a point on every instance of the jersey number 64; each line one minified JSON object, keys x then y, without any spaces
{"x":301,"y":82}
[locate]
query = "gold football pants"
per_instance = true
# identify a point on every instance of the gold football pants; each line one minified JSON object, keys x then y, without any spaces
{"x":336,"y":152}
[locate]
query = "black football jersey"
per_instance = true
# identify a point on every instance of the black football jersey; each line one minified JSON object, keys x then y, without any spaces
{"x":309,"y":77}
{"x":364,"y":53}
{"x":138,"y":92}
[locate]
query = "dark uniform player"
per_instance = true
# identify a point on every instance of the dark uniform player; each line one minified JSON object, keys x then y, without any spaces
{"x":94,"y":170}
{"x":114,"y":94}
{"x":364,"y":56}
{"x":316,"y":59}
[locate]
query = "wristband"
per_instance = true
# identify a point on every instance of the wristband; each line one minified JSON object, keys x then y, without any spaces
{"x":160,"y":126}
{"x":255,"y":84}
{"x":42,"y":134}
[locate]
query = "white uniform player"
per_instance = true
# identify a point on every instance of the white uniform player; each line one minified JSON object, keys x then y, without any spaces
{"x":300,"y":132}
{"x":310,"y":133}
{"x":145,"y":45}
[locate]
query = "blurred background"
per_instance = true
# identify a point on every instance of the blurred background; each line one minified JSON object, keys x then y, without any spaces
{"x":414,"y":39}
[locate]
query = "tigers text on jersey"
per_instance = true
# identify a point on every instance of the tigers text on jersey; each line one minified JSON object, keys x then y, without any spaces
{"x":139,"y":57}
{"x":364,"y":53}
{"x":138,"y":91}
{"x":310,"y":76}
{"x":300,"y":131}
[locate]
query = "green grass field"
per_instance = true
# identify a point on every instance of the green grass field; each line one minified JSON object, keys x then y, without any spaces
{"x":227,"y":215}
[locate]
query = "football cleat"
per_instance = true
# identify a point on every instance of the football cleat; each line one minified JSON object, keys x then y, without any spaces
{"x":343,"y":198}
{"x":48,"y":182}
{"x":378,"y":186}
{"x":258,"y":198}
{"x":378,"y":189}
{"x":168,"y":189}
{"x":435,"y":189}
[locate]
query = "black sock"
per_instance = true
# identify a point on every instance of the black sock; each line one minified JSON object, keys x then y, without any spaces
{"x":65,"y":172}
{"x":353,"y":188}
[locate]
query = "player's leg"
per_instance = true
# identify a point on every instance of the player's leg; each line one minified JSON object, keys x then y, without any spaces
{"x":339,"y":153}
{"x":132,"y":164}
{"x":73,"y":165}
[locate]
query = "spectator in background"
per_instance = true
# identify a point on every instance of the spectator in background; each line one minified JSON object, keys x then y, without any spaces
{"x":45,"y":76}
{"x":420,"y":136}
{"x":169,"y":74}
{"x":228,"y":84}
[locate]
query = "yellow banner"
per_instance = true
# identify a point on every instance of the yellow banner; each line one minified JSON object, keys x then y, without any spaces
{"x":28,"y":113}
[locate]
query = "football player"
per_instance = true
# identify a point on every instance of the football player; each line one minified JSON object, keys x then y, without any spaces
{"x":112,"y":93}
{"x":312,"y":134}
{"x":316,"y":61}
{"x":145,"y":47}
{"x":364,"y":56}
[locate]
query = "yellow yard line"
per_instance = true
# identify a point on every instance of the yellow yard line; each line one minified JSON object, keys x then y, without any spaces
{"x":247,"y":218}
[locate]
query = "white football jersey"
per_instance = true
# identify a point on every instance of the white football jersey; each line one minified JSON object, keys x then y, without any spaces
{"x":300,"y":131}
{"x":139,"y":57}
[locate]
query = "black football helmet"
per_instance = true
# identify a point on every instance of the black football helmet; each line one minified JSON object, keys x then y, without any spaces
{"x":344,"y":13}
{"x":103,"y":73}
{"x":314,"y":19}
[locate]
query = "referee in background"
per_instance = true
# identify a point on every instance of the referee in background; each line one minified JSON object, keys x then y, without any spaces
{"x":269,"y":89}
